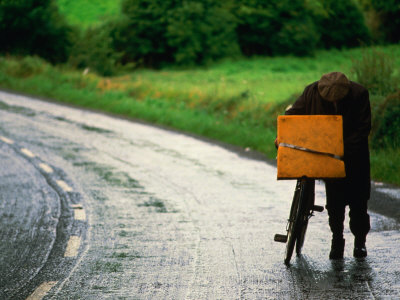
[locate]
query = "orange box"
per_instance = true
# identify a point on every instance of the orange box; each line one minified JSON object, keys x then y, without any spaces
{"x":310,"y":133}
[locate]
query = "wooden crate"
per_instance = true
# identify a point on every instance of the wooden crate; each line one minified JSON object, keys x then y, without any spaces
{"x":320,"y":133}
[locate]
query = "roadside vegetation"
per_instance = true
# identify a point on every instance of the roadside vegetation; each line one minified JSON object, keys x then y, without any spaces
{"x":89,"y":13}
{"x":231,"y":88}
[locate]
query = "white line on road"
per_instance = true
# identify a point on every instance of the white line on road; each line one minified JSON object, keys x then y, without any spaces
{"x":46,"y":168}
{"x":27,"y":152}
{"x":62,"y":184}
{"x":79,"y":215}
{"x":6,"y":140}
{"x":42,"y":290}
{"x":72,"y":246}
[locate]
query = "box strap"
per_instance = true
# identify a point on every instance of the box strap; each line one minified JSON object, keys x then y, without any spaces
{"x":310,"y":150}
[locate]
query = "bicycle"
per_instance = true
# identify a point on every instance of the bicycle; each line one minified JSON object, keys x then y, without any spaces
{"x":309,"y":148}
{"x":301,"y":211}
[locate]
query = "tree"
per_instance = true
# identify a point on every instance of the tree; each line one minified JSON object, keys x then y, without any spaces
{"x":183,"y":32}
{"x":200,"y":31}
{"x":34,"y":27}
{"x":94,"y":49}
{"x":341,"y":24}
{"x":275,"y":27}
{"x":389,"y":16}
{"x":141,"y":36}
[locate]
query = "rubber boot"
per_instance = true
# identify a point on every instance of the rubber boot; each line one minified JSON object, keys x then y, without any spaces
{"x":337,"y":248}
{"x":360,"y":250}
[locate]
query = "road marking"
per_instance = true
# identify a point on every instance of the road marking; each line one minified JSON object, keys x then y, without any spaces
{"x":62,"y":184}
{"x":46,"y":168}
{"x":27,"y":152}
{"x":42,"y":290}
{"x":72,"y":246}
{"x":79,"y":214}
{"x":77,"y":206}
{"x":6,"y":140}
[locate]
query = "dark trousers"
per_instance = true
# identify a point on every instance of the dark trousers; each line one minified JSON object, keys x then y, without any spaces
{"x":338,"y":195}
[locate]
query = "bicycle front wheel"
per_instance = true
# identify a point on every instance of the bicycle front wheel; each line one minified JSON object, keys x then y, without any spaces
{"x":306,"y":204}
{"x":293,"y":224}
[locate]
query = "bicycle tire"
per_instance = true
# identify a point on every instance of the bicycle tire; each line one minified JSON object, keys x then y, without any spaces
{"x":301,"y":237}
{"x":306,"y":204}
{"x":293,"y":224}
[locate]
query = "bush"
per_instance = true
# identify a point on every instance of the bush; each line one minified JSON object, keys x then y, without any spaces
{"x":94,"y":49}
{"x":375,"y":70}
{"x":387,"y":133}
{"x":341,"y":23}
{"x":141,"y":35}
{"x":199,"y":32}
{"x":23,"y":67}
{"x":275,"y":27}
{"x":158,"y":32}
{"x":388,"y":13}
{"x":33,"y":27}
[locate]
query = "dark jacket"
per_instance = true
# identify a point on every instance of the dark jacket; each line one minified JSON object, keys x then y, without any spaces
{"x":356,"y":112}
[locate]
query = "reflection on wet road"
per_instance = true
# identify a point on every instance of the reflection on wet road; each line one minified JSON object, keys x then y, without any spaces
{"x":167,"y":216}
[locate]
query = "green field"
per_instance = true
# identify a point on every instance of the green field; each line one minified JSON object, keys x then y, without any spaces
{"x":264,"y":80}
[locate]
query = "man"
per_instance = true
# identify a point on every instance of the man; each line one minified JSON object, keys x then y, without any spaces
{"x":334,"y":94}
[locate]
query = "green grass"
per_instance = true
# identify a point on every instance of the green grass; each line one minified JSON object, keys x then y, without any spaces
{"x":385,"y":165}
{"x":85,"y":13}
{"x":264,"y":80}
{"x":232,"y":101}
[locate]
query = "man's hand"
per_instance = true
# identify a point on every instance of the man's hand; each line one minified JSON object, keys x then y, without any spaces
{"x":276,"y":143}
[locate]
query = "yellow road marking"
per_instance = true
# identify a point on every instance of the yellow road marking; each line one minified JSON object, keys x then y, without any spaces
{"x":79,"y":214}
{"x":42,"y":290}
{"x":72,"y":246}
{"x":62,"y":184}
{"x":27,"y":152}
{"x":77,"y":206}
{"x":46,"y":168}
{"x":6,"y":140}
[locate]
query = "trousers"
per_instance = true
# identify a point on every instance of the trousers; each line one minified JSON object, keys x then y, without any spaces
{"x":338,"y":195}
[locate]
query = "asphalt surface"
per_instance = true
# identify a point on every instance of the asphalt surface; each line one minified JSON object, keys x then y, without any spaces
{"x":95,"y":207}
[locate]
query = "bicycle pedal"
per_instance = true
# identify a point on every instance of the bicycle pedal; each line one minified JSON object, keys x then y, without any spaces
{"x":281,"y":238}
{"x":318,"y":208}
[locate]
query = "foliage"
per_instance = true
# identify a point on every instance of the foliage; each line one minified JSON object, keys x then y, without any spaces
{"x":156,"y":32}
{"x":387,"y":132}
{"x":341,"y":24}
{"x":200,"y":32}
{"x":33,"y":27}
{"x":375,"y":70}
{"x":88,"y":13}
{"x":389,"y":16}
{"x":385,"y":165}
{"x":275,"y":27}
{"x":93,"y":49}
{"x":25,"y":67}
{"x":142,"y":33}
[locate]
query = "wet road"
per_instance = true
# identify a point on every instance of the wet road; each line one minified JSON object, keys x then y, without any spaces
{"x":94,"y":207}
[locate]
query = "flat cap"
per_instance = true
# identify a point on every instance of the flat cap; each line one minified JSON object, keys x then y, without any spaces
{"x":333,"y":86}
